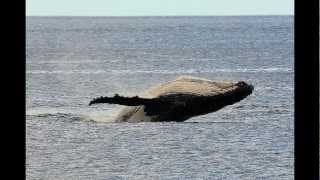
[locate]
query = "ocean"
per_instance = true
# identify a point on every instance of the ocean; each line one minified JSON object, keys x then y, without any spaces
{"x":71,"y":60}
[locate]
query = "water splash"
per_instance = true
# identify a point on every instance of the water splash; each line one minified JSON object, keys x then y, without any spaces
{"x":74,"y":115}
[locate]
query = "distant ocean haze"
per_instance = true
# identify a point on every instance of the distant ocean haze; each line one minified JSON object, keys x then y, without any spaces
{"x":71,"y":60}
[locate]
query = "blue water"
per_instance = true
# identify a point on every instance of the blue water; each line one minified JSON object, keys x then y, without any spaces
{"x":71,"y":60}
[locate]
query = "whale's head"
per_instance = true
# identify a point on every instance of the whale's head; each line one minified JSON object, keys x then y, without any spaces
{"x":211,"y":103}
{"x":179,"y":100}
{"x":239,"y":91}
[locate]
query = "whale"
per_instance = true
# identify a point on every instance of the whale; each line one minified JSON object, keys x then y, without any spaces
{"x":178,"y":100}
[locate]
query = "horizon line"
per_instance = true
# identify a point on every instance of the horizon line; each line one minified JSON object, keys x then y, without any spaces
{"x":157,"y":15}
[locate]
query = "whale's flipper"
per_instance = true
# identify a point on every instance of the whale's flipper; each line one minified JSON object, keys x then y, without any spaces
{"x":116,"y":99}
{"x":152,"y":106}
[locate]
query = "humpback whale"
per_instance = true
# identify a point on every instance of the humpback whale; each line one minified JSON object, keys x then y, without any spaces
{"x":178,"y":100}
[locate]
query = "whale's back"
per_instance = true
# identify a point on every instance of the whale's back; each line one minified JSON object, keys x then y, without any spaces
{"x":190,"y":85}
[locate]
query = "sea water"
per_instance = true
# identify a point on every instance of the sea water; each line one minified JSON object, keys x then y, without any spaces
{"x":70,"y":60}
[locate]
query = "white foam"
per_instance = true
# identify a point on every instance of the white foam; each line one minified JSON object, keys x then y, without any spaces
{"x":46,"y":111}
{"x":85,"y":115}
{"x":105,"y":117}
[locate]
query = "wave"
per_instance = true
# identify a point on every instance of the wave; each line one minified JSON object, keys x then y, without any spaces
{"x":95,"y":116}
{"x":187,"y":71}
{"x":274,"y":109}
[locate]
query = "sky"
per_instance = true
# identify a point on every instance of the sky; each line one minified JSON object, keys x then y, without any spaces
{"x":158,"y":7}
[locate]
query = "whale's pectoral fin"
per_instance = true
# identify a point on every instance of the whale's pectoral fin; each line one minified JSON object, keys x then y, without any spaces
{"x":116,"y":99}
{"x":152,"y":106}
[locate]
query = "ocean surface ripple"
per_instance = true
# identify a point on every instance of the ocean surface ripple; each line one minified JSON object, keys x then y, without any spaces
{"x":71,"y":60}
